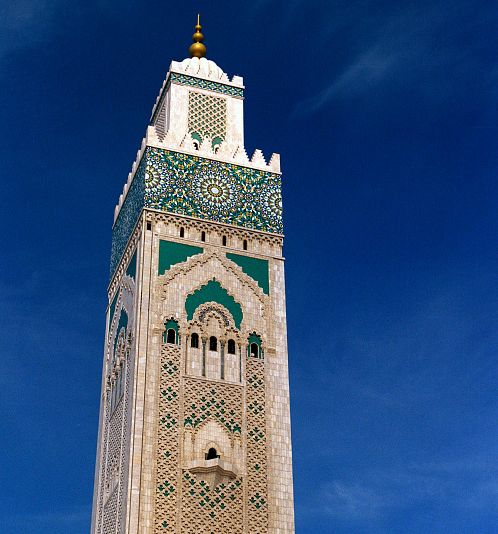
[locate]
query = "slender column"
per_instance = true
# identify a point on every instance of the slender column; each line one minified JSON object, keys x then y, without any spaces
{"x":204,"y":339}
{"x":222,"y":360}
{"x":240,"y":364}
{"x":186,"y":354}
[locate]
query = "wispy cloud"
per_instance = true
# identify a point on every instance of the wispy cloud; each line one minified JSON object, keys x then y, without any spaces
{"x":464,"y":484}
{"x":406,"y":362}
{"x":420,"y":46}
{"x":28,"y":23}
{"x":369,"y":69}
{"x":24,"y":23}
{"x":71,"y":520}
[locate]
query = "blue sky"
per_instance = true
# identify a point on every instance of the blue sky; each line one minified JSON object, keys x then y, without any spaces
{"x":386,"y":119}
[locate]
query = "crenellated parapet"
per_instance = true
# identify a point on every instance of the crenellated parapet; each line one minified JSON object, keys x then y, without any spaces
{"x":199,"y":112}
{"x":187,"y":183}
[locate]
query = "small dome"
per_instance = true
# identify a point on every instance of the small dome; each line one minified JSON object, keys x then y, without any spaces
{"x":203,"y":67}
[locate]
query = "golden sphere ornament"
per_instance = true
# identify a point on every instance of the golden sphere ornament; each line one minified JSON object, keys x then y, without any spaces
{"x":197,"y":49}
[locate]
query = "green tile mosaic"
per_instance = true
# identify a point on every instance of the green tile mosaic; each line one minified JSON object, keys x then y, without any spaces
{"x":199,"y":187}
{"x":166,"y":488}
{"x":171,"y":253}
{"x":170,"y":367}
{"x":213,"y":190}
{"x":128,"y":216}
{"x":212,"y":406}
{"x":214,"y":499}
{"x":213,"y":291}
{"x":131,"y":270}
{"x":257,"y":501}
{"x":255,"y":268}
{"x":184,"y":79}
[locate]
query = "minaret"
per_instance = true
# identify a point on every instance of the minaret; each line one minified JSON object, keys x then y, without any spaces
{"x":194,"y":433}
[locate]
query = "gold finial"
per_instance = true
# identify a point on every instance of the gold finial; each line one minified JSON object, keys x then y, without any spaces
{"x":197,"y":49}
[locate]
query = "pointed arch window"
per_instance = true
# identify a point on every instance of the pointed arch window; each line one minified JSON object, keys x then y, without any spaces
{"x":171,"y":332}
{"x":254,"y":349}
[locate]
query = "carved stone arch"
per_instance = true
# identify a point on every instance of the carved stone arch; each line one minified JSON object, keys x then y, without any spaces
{"x":125,"y":300}
{"x":128,"y":298}
{"x":212,"y":431}
{"x":177,"y":326}
{"x":217,"y":470}
{"x":261,"y":343}
{"x":202,"y":259}
{"x":113,"y":321}
{"x":128,"y":283}
{"x":169,"y":317}
{"x":247,"y":333}
{"x":120,"y":347}
{"x":211,"y":319}
{"x":235,"y":334}
{"x":116,"y":329}
{"x":182,"y":280}
{"x":214,"y":309}
{"x":214,"y":289}
{"x":193,"y":326}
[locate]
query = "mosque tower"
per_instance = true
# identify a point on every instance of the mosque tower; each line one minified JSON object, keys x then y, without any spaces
{"x":194,"y":431}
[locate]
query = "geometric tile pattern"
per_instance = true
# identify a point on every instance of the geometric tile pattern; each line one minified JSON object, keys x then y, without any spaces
{"x":112,"y":453}
{"x":207,"y":115}
{"x":213,"y":190}
{"x":128,"y":216}
{"x":220,"y":402}
{"x":257,"y":486}
{"x":168,"y":440}
{"x":113,"y":456}
{"x":217,"y":510}
{"x":183,"y":79}
{"x":190,"y":185}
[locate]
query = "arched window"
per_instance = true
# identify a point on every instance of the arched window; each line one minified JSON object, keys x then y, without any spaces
{"x":213,"y":343}
{"x":212,"y":453}
{"x":182,"y":232}
{"x":203,"y":236}
{"x":245,"y":244}
{"x":194,"y":341}
{"x":171,"y":336}
{"x":254,"y":346}
{"x":224,"y":240}
{"x":231,"y":346}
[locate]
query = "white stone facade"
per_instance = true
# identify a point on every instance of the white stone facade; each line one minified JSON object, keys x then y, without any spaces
{"x":204,"y":439}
